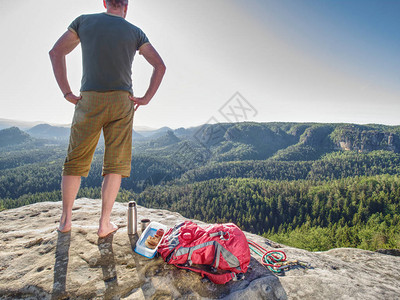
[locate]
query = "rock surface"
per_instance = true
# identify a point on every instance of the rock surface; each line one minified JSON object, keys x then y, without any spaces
{"x":37,"y":262}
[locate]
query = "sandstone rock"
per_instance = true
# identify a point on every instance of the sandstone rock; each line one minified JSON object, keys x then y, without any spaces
{"x":37,"y":262}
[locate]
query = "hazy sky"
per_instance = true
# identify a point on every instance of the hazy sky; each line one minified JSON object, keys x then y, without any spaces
{"x":297,"y":60}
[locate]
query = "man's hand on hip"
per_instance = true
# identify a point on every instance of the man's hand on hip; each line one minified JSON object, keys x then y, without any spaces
{"x":139,"y":101}
{"x":72,"y":98}
{"x":151,"y":55}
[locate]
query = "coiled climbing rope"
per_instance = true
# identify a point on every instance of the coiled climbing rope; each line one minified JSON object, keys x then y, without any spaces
{"x":272,"y":259}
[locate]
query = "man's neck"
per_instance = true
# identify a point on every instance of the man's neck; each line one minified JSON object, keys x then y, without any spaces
{"x":116,"y":11}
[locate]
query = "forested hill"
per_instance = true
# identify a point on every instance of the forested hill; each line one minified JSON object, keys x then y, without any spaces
{"x":13,"y":136}
{"x":277,"y":141}
{"x":331,"y":185}
{"x":244,"y":141}
{"x":295,"y":141}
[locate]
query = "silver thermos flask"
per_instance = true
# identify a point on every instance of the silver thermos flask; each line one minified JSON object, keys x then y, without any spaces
{"x":132,"y":218}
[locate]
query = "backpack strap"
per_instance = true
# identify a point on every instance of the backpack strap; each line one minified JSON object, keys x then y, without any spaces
{"x":222,"y":235}
{"x":216,"y":278}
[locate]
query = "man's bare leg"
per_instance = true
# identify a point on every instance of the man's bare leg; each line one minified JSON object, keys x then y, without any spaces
{"x":69,"y":189}
{"x":109,"y":191}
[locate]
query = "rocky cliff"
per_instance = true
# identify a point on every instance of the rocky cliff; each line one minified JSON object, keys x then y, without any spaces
{"x":365,"y":139}
{"x":37,"y":262}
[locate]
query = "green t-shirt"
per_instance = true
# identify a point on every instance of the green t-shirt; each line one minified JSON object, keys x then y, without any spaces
{"x":109,"y":44}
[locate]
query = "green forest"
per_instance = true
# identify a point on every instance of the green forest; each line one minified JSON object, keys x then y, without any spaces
{"x":306,"y":185}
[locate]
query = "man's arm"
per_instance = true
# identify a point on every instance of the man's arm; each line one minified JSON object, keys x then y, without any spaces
{"x":151,"y":55}
{"x":66,"y":43}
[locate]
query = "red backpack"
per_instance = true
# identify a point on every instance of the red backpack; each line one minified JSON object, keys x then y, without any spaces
{"x":221,"y":248}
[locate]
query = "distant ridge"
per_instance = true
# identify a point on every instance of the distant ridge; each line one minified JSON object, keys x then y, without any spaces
{"x":143,"y":128}
{"x":283,"y":141}
{"x":13,"y":136}
{"x":154,"y":133}
{"x":47,"y":131}
{"x":24,"y":125}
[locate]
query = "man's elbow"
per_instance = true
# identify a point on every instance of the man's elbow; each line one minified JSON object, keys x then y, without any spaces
{"x":52,"y":53}
{"x":161,"y":68}
{"x":55,"y":53}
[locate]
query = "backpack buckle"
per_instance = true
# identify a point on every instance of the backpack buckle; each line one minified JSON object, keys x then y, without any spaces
{"x":237,"y":277}
{"x":222,"y":236}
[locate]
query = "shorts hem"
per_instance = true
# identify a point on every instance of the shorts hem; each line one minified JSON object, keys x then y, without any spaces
{"x":124,"y":174}
{"x":71,"y":173}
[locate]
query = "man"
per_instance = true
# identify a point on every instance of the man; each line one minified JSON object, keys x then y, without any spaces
{"x":109,"y":44}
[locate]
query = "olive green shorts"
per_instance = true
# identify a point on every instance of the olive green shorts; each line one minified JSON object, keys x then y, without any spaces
{"x":111,"y":111}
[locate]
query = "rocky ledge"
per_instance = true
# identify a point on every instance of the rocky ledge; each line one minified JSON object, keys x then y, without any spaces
{"x":37,"y":262}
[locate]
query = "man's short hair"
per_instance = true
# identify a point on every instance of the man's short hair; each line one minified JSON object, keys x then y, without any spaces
{"x":117,"y":3}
